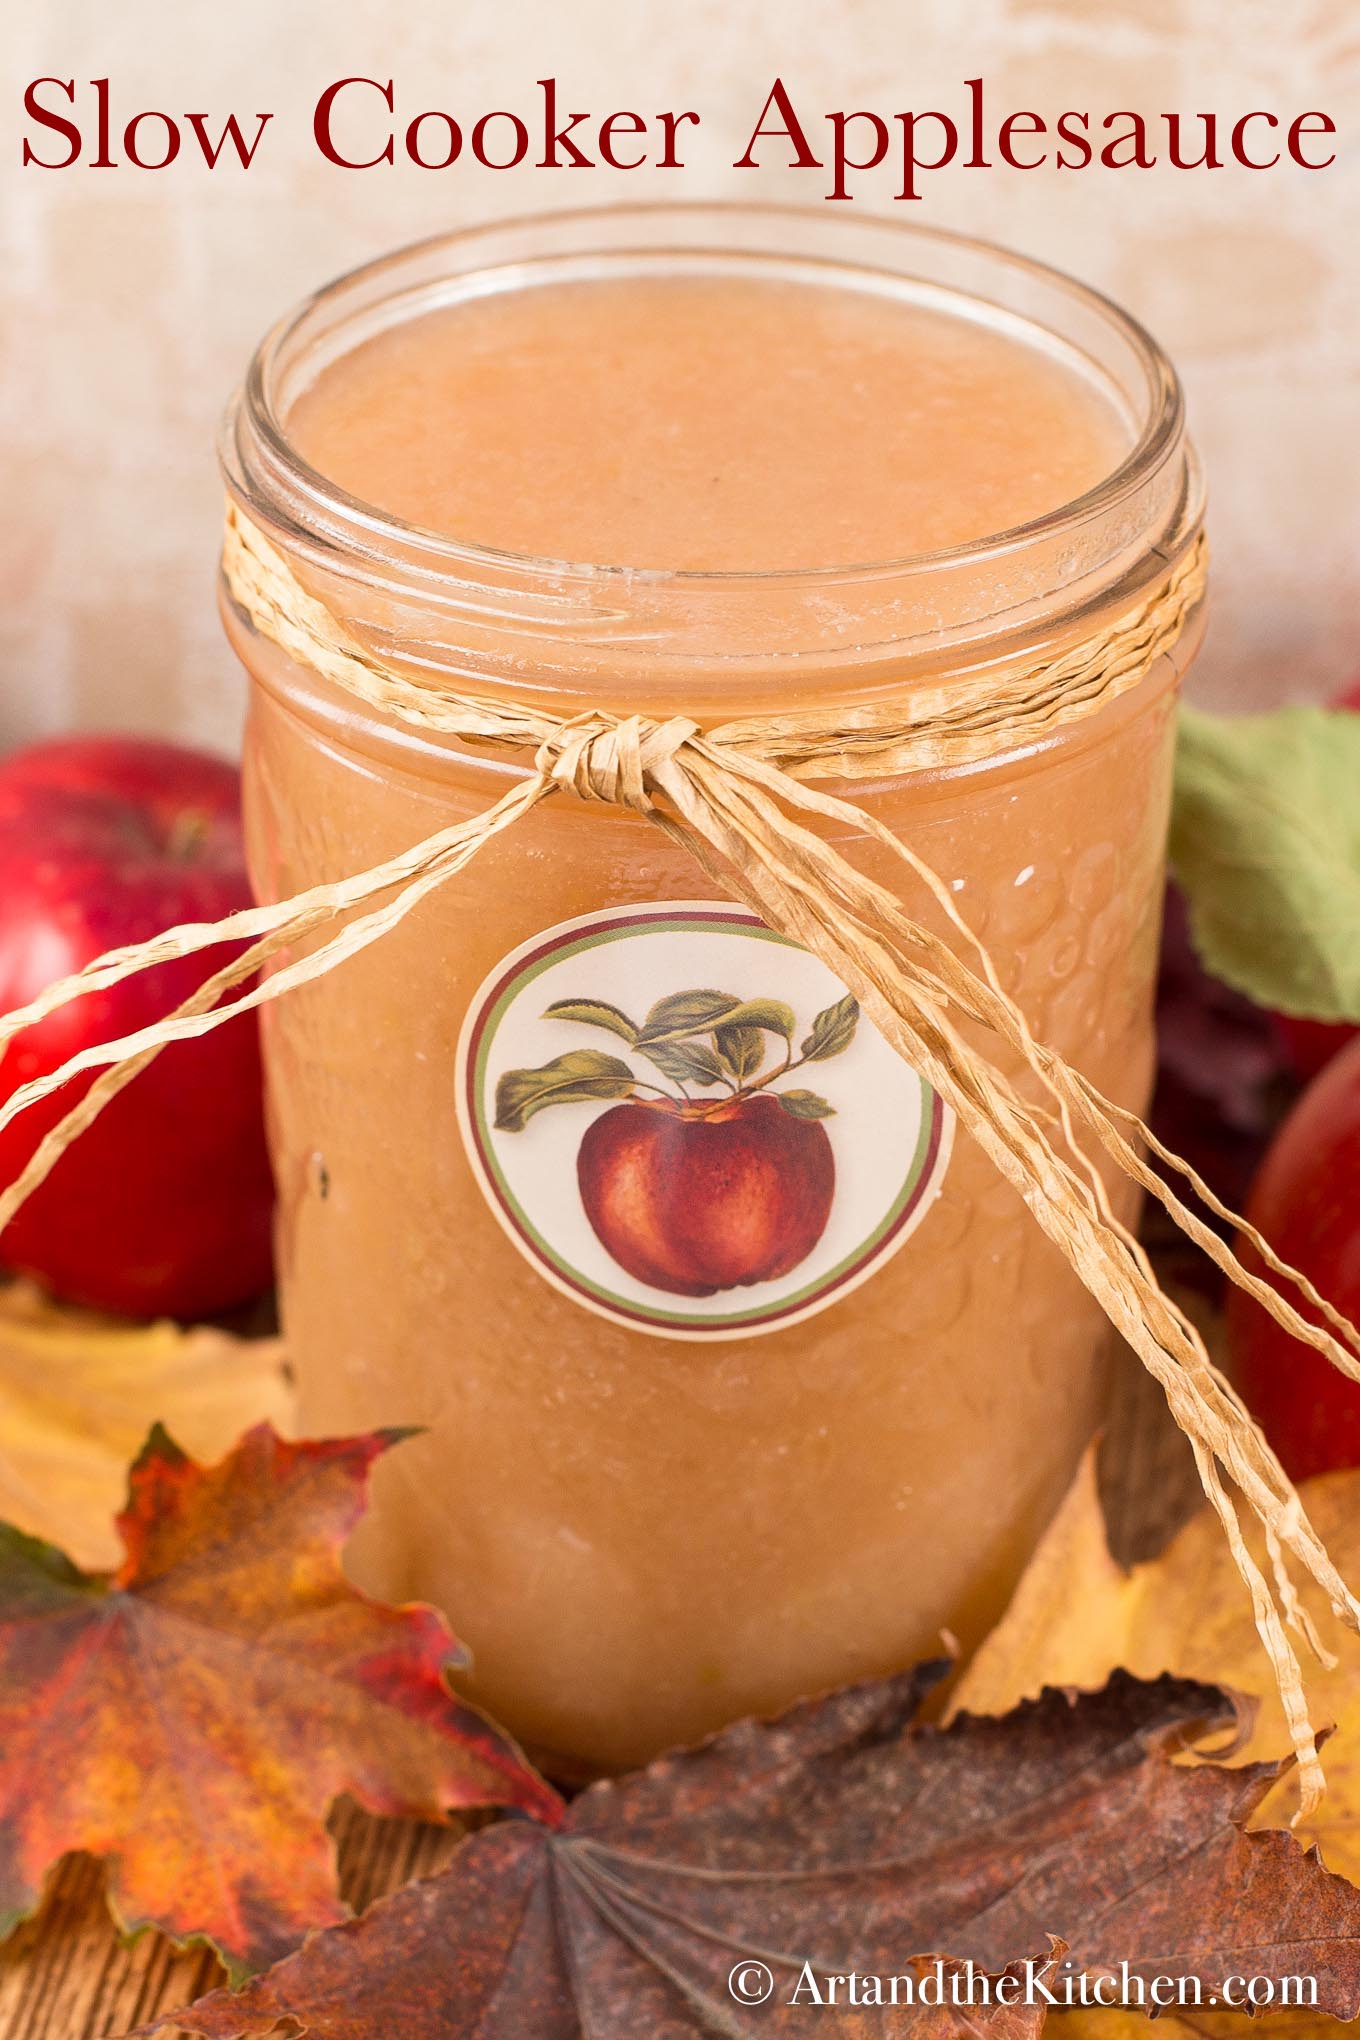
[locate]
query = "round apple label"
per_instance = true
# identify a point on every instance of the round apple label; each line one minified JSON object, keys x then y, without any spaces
{"x":686,"y":1123}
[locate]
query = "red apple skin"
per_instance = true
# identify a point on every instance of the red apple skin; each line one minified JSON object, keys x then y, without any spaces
{"x":1306,"y":1202}
{"x":1311,"y":1044}
{"x":163,"y":1206}
{"x":696,"y":1199}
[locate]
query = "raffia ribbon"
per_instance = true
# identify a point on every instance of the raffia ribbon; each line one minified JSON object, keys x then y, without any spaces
{"x":740,"y":799}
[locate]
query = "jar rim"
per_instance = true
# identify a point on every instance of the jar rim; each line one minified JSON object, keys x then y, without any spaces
{"x":1159,"y":435}
{"x":1117,"y":535}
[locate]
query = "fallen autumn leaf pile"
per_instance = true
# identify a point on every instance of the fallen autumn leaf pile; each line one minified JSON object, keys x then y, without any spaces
{"x":841,"y":1837}
{"x":190,"y":1716}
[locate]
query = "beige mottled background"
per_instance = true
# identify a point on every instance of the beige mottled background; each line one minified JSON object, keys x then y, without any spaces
{"x":129,"y":301}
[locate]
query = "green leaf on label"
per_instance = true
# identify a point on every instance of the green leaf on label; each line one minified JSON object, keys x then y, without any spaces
{"x":583,"y":1075}
{"x":1265,"y":843}
{"x":805,"y":1105}
{"x":771,"y":1014}
{"x":593,"y":1013}
{"x":832,"y":1030}
{"x":686,"y":1013}
{"x":687,"y":1062}
{"x":741,"y":1050}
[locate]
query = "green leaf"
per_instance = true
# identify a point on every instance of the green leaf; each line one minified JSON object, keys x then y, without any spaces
{"x":741,"y":1050}
{"x":832,"y":1030}
{"x":686,"y":1062}
{"x":1265,"y":842}
{"x":686,"y":1013}
{"x":579,"y":1077}
{"x":593,"y":1013}
{"x":771,"y":1014}
{"x":805,"y":1105}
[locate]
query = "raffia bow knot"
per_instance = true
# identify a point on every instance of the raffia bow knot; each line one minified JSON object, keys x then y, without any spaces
{"x":750,"y":802}
{"x":616,"y":759}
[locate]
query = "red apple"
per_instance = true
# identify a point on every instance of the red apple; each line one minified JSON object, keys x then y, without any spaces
{"x":1311,"y":1044}
{"x":697,"y":1198}
{"x":164,"y":1204}
{"x":1306,"y":1202}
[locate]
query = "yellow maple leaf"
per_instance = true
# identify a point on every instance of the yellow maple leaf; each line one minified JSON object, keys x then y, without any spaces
{"x":1189,"y":2025}
{"x":78,"y":1394}
{"x":1076,"y":1615}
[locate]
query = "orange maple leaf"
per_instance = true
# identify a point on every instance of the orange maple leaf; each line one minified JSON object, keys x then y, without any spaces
{"x":191,"y":1718}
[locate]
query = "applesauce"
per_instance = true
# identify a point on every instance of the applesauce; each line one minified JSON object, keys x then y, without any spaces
{"x":739,"y":1375}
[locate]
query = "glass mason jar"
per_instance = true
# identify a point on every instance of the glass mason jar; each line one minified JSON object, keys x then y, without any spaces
{"x":724,"y":1400}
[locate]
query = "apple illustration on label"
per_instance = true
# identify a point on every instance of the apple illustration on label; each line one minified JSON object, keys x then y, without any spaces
{"x":733,"y":1162}
{"x":698,"y":1198}
{"x":719,"y":1175}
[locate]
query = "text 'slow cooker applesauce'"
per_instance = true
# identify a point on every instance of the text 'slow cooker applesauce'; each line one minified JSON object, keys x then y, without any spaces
{"x":740,"y":1375}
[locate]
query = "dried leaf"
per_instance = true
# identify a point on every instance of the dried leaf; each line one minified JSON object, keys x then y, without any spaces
{"x":78,"y":1394}
{"x":1076,"y":1615}
{"x":842,"y":1837}
{"x":1224,"y":1077}
{"x":1190,"y":2024}
{"x":192,"y":1718}
{"x":582,"y":1075}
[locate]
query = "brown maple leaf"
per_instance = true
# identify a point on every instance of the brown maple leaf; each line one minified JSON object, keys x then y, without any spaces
{"x":843,"y":1838}
{"x":191,"y":1718}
